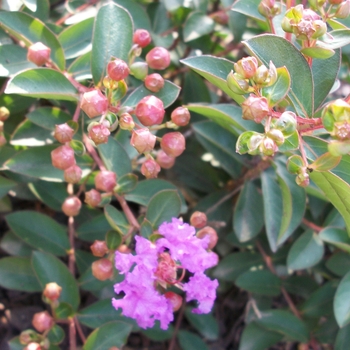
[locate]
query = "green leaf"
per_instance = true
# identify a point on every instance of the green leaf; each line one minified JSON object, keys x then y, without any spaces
{"x":81,"y":67}
{"x":336,"y":237}
{"x":205,"y":324}
{"x":317,"y":52}
{"x":56,"y":334}
{"x":215,"y":70}
{"x":191,"y":341}
{"x":343,"y":338}
{"x":6,"y":185}
{"x":285,"y":323}
{"x":14,"y":246}
{"x":88,"y":282}
{"x":112,"y":37}
{"x":248,"y":8}
{"x":260,"y":282}
{"x":339,"y":263}
{"x":146,"y":229}
{"x":93,"y":229}
{"x":342,"y":301}
{"x":282,"y":53}
{"x":48,"y":117}
{"x":48,"y":269}
{"x":16,"y":273}
{"x":42,"y":83}
{"x":325,"y":162}
{"x":157,"y":334}
{"x":197,"y":24}
{"x":335,"y":39}
{"x":162,"y":207}
{"x":110,"y":334}
{"x":168,"y":94}
{"x":247,"y":221}
{"x":301,"y":286}
{"x":76,"y":39}
{"x":113,"y":240}
{"x":116,"y":219}
{"x":115,"y":157}
{"x":173,"y":5}
{"x":305,"y":252}
{"x":39,"y":231}
{"x":127,"y":183}
{"x":31,"y":30}
{"x":278,"y":91}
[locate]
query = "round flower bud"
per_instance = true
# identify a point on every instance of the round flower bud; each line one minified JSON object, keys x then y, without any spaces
{"x":93,"y":198}
{"x":165,"y":161}
{"x":73,"y":174}
{"x":71,"y":206}
{"x":255,"y":108}
{"x":123,"y":248}
{"x":42,"y":321}
{"x":173,"y":144}
{"x":4,"y":113}
{"x":38,"y":53}
{"x":175,"y":300}
{"x":220,"y":17}
{"x":237,"y":84}
{"x":303,"y":179}
{"x":320,"y":28}
{"x":52,"y":291}
{"x":211,"y":233}
{"x":102,"y":269}
{"x":126,"y":122}
{"x":99,"y":248}
{"x":106,"y":181}
{"x":154,"y":82}
{"x":27,"y":336}
{"x":150,"y":169}
{"x":277,"y":136}
{"x":158,"y":58}
{"x":343,"y":10}
{"x":143,"y":140}
{"x":99,"y":134}
{"x":142,"y":37}
{"x":246,"y":67}
{"x":33,"y":346}
{"x":94,"y":103}
{"x":180,"y":116}
{"x":287,"y":123}
{"x":139,"y":70}
{"x":62,"y":157}
{"x":117,"y":69}
{"x":150,"y":110}
{"x":63,"y":133}
{"x":268,"y":147}
{"x":198,"y":219}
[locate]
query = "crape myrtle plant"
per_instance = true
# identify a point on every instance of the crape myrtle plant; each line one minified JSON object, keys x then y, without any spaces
{"x":175,"y":174}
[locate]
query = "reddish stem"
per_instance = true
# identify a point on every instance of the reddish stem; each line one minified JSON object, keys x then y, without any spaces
{"x":127,"y":211}
{"x":313,"y":226}
{"x":72,"y":335}
{"x":93,"y":153}
{"x":80,"y":331}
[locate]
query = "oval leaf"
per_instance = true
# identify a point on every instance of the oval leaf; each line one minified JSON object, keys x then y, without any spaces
{"x":342,"y":302}
{"x":325,"y":162}
{"x":337,"y":237}
{"x":317,"y":52}
{"x":116,"y":219}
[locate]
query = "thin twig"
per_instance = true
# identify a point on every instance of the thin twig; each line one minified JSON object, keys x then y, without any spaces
{"x":127,"y":211}
{"x":313,"y":226}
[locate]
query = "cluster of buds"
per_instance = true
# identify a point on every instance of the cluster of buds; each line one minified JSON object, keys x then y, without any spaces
{"x":269,"y":8}
{"x":38,"y":53}
{"x":304,"y":23}
{"x":4,"y":114}
{"x":249,"y":76}
{"x":336,"y":8}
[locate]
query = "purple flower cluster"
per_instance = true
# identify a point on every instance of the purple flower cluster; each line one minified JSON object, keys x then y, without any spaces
{"x":142,"y":301}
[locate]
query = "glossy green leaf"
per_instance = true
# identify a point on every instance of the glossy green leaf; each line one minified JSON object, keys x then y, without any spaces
{"x":168,"y":94}
{"x":39,"y":231}
{"x":215,"y":70}
{"x":325,"y":162}
{"x":339,"y":263}
{"x":282,"y":53}
{"x":42,"y":83}
{"x":342,"y":301}
{"x":248,"y":8}
{"x":16,"y":273}
{"x":116,"y":219}
{"x":127,"y":183}
{"x":162,"y":207}
{"x":317,"y":52}
{"x":31,"y":30}
{"x":191,"y":341}
{"x":194,"y":89}
{"x":343,"y":338}
{"x":93,"y":229}
{"x":48,"y":269}
{"x":305,"y":252}
{"x":336,"y":39}
{"x":6,"y":185}
{"x":110,"y":334}
{"x":115,"y":157}
{"x":278,"y":91}
{"x":197,"y":25}
{"x":248,"y":217}
{"x":114,"y":42}
{"x":76,"y":39}
{"x":336,"y":237}
{"x":81,"y":67}
{"x":56,"y":334}
{"x":260,"y":282}
{"x":113,"y":240}
{"x":205,"y":324}
{"x":14,"y":246}
{"x":88,"y":282}
{"x":301,"y":286}
{"x":48,"y":117}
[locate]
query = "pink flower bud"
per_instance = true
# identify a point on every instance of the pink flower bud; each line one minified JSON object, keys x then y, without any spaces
{"x":165,"y":161}
{"x":93,"y":198}
{"x":150,"y":110}
{"x":99,"y":134}
{"x":73,"y":174}
{"x":4,"y":113}
{"x":180,"y":116}
{"x":255,"y":108}
{"x":198,"y":219}
{"x":211,"y":233}
{"x":63,"y":133}
{"x":268,"y":147}
{"x":246,"y":67}
{"x":158,"y":58}
{"x":123,"y":248}
{"x":142,"y":37}
{"x":220,"y":17}
{"x":106,"y":181}
{"x":154,"y":82}
{"x":126,"y":122}
{"x":94,"y":103}
{"x":143,"y":140}
{"x":102,"y":269}
{"x":38,"y":53}
{"x":71,"y":206}
{"x":343,"y":10}
{"x":52,"y":291}
{"x":117,"y":69}
{"x":62,"y":157}
{"x":175,"y":300}
{"x":150,"y":169}
{"x":42,"y":321}
{"x":173,"y":144}
{"x":99,"y":248}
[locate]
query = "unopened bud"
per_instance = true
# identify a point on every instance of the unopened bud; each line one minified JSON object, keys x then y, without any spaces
{"x":117,"y":69}
{"x":173,"y":144}
{"x":175,"y":300}
{"x":198,"y":219}
{"x":27,"y":336}
{"x":102,"y":269}
{"x":139,"y":70}
{"x":154,"y":82}
{"x":63,"y":157}
{"x":143,"y":140}
{"x":277,"y":136}
{"x":343,"y":10}
{"x":150,"y":169}
{"x":265,"y":76}
{"x":320,"y":28}
{"x":71,"y":206}
{"x":4,"y":113}
{"x":303,"y":179}
{"x":99,"y":134}
{"x":150,"y":110}
{"x":237,"y":84}
{"x":268,"y":147}
{"x":220,"y":17}
{"x":126,"y":122}
{"x":63,"y":133}
{"x":94,"y":103}
{"x":287,"y":123}
{"x":38,"y":53}
{"x":142,"y":37}
{"x":93,"y":198}
{"x":73,"y":174}
{"x":268,"y":8}
{"x":246,"y":67}
{"x":180,"y":116}
{"x":106,"y":181}
{"x":42,"y":321}
{"x":255,"y":108}
{"x":158,"y":58}
{"x":99,"y":248}
{"x":52,"y":291}
{"x":165,"y":161}
{"x":123,"y":248}
{"x":209,"y":232}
